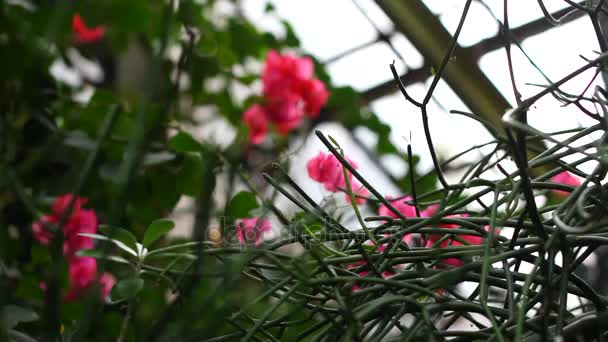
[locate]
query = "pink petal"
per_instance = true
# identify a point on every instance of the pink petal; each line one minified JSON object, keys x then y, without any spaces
{"x":255,"y":119}
{"x":566,"y":178}
{"x":315,"y":96}
{"x":84,"y":34}
{"x":430,"y":210}
{"x":107,"y":282}
{"x":358,"y":190}
{"x":313,"y":166}
{"x":304,"y":67}
{"x":254,"y":228}
{"x":40,"y":228}
{"x":399,"y":204}
{"x":82,"y":271}
{"x":285,"y":112}
{"x":61,"y":204}
{"x":85,"y":221}
{"x":326,"y":169}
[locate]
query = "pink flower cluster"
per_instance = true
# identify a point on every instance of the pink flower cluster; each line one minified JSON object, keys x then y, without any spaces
{"x":82,"y":270}
{"x":385,"y":274}
{"x":470,"y":239}
{"x":567,"y":178}
{"x":83,"y":33}
{"x":408,"y":210}
{"x":326,"y":169}
{"x":289,"y":92}
{"x":252,"y":229}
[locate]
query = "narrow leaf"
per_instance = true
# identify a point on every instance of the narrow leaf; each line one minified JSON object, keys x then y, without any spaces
{"x":127,"y":288}
{"x":184,"y":142}
{"x":116,"y":242}
{"x":12,"y":315}
{"x":241,"y":204}
{"x":121,"y":235}
{"x":156,"y":230}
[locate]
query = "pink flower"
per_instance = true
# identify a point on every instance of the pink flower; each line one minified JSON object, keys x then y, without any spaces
{"x":404,"y":208}
{"x":285,"y":73}
{"x":283,"y":79}
{"x":255,"y":119}
{"x":356,"y":288}
{"x":107,"y":282}
{"x":84,"y":221}
{"x":285,"y":112}
{"x":358,"y":190}
{"x":326,"y":169}
{"x":399,"y":204}
{"x":289,"y":92}
{"x":83,"y":273}
{"x":315,"y":96}
{"x":78,"y":221}
{"x":430,"y":210}
{"x":41,"y":233}
{"x":82,"y":270}
{"x":84,"y":34}
{"x":567,"y":178}
{"x":61,"y":204}
{"x":253,"y":230}
{"x":471,"y":239}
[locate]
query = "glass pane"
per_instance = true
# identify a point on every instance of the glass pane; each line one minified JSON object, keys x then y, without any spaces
{"x":315,"y":23}
{"x":365,"y":68}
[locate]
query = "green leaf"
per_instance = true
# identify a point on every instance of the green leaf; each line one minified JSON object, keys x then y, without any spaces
{"x":156,"y":230}
{"x":40,"y":255}
{"x":93,"y":253}
{"x":97,"y":254}
{"x":189,"y":178}
{"x":207,"y":45}
{"x":311,"y":222}
{"x":226,"y":57}
{"x":245,"y":40}
{"x":127,"y":288}
{"x":184,"y":142}
{"x":121,"y":235}
{"x":269,"y":7}
{"x":13,"y":315}
{"x":290,"y":36}
{"x":241,"y":204}
{"x":118,"y":243}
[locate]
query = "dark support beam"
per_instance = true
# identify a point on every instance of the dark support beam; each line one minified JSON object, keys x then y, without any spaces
{"x":462,"y":74}
{"x":518,"y":34}
{"x":523,"y":32}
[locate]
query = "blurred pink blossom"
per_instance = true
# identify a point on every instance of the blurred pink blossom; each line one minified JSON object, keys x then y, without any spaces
{"x":289,"y":92}
{"x":315,"y":96}
{"x":82,"y":270}
{"x":254,"y":228}
{"x":326,"y":169}
{"x":78,"y":221}
{"x":85,"y":34}
{"x":255,"y":118}
{"x":567,"y":178}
